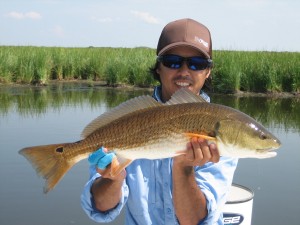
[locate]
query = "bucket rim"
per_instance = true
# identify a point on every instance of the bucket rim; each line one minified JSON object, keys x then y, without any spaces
{"x":244,"y":199}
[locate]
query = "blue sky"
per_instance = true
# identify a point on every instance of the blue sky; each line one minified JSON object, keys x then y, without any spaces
{"x":264,"y":25}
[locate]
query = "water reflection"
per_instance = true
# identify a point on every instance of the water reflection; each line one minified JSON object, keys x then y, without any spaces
{"x":28,"y":101}
{"x":58,"y":113}
{"x":272,"y":112}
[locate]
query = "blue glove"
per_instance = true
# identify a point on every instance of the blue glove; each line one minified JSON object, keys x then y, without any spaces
{"x":100,"y":158}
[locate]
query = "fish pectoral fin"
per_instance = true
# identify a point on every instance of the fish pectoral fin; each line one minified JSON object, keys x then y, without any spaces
{"x":206,"y":137}
{"x":118,"y":164}
{"x":180,"y":152}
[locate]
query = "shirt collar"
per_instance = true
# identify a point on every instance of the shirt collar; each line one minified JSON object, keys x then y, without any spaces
{"x":157,"y":94}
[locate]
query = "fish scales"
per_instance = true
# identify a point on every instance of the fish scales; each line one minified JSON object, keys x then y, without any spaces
{"x":144,"y":128}
{"x":130,"y":131}
{"x":152,"y":125}
{"x":139,"y":128}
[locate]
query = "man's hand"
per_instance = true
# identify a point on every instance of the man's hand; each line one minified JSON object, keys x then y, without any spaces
{"x":102,"y":160}
{"x":106,"y":190}
{"x":198,"y":153}
{"x":189,"y":201}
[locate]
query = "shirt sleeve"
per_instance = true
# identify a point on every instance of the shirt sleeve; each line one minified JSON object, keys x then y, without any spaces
{"x":214,"y":180}
{"x":87,"y":201}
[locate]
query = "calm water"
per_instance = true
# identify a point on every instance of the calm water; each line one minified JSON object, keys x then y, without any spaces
{"x":36,"y":116}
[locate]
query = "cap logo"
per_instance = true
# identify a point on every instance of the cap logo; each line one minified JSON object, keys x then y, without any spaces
{"x":201,"y":41}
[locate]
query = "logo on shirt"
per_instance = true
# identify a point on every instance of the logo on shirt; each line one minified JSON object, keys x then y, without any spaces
{"x":201,"y":41}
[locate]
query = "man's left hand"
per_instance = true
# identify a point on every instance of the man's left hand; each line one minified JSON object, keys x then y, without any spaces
{"x":198,"y":153}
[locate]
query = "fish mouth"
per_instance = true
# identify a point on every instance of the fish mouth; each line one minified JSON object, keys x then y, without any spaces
{"x":272,"y":148}
{"x":274,"y":144}
{"x":266,"y":149}
{"x":267,"y":152}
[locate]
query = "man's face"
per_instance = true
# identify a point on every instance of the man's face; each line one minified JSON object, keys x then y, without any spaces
{"x":173,"y":79}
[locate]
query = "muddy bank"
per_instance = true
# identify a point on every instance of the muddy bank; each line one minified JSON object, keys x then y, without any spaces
{"x":103,"y":84}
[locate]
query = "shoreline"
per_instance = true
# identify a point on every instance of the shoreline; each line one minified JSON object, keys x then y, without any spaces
{"x":99,"y":84}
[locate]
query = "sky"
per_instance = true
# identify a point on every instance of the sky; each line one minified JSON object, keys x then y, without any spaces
{"x":250,"y":25}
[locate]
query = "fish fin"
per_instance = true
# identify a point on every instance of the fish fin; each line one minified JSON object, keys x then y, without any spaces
{"x":49,"y":162}
{"x":180,"y":152}
{"x":118,"y":164}
{"x":204,"y":136}
{"x":184,"y":95}
{"x":132,"y":105}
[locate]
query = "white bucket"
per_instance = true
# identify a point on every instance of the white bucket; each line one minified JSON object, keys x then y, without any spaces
{"x":238,"y":208}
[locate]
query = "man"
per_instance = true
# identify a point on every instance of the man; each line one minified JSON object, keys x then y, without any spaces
{"x":187,"y":189}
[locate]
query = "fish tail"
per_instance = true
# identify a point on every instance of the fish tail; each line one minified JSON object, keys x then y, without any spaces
{"x":49,"y":162}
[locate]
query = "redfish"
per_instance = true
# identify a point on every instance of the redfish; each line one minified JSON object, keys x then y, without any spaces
{"x":144,"y":128}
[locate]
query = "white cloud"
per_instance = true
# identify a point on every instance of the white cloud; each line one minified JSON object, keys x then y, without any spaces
{"x":15,"y":15}
{"x":27,"y":15}
{"x":145,"y":16}
{"x":33,"y":15}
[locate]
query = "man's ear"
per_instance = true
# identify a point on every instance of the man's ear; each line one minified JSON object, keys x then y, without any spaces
{"x":208,"y":73}
{"x":158,"y":70}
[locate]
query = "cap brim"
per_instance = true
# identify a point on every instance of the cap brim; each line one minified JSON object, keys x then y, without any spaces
{"x":177,"y":44}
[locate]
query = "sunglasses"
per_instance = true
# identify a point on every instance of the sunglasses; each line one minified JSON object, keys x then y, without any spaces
{"x":176,"y":61}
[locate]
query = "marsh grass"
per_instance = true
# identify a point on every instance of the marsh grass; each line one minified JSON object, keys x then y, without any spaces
{"x":256,"y":71}
{"x":233,"y":70}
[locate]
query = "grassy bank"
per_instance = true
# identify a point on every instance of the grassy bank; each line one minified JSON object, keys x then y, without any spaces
{"x":233,"y":70}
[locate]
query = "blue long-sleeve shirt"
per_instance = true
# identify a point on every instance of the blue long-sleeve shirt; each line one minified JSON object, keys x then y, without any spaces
{"x":147,"y":190}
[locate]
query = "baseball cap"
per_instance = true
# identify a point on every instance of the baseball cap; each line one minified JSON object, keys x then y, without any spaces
{"x":185,"y":32}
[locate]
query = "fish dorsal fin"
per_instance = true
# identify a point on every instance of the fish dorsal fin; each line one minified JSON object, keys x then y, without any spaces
{"x":138,"y":103}
{"x":184,"y":95}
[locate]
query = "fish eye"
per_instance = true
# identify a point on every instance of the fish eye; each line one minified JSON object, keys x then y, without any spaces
{"x":60,"y":149}
{"x":262,"y":136}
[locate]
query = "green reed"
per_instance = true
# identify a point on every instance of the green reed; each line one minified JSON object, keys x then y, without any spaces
{"x":233,"y":70}
{"x":256,"y":71}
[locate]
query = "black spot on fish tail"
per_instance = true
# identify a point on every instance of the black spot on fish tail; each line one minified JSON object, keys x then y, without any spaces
{"x":60,"y":149}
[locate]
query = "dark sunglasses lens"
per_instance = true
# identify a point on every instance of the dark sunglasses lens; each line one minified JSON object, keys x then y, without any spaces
{"x":172,"y":61}
{"x":175,"y":62}
{"x":198,"y":63}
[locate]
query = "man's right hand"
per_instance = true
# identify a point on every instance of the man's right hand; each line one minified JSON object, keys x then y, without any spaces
{"x":101,"y":158}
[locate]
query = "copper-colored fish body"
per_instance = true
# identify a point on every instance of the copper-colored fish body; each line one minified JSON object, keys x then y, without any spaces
{"x":144,"y":128}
